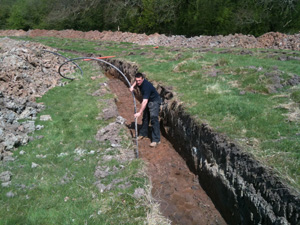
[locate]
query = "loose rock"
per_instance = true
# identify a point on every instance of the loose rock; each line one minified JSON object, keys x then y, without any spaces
{"x":138,"y":193}
{"x":45,"y":118}
{"x":8,"y":158}
{"x":34,"y":165}
{"x":22,"y":152}
{"x":6,"y":184}
{"x":5,"y":176}
{"x":120,"y":120}
{"x":10,"y":194}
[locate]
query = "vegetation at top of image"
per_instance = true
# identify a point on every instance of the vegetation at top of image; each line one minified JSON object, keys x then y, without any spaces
{"x":190,"y":18}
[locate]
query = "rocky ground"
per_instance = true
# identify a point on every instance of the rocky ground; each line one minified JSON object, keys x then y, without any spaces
{"x":27,"y":72}
{"x":272,"y":40}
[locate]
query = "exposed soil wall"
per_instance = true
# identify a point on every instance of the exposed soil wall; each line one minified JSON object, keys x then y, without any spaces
{"x":244,"y":191}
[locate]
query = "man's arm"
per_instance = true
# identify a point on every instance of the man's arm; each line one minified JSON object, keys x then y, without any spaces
{"x":143,"y":106}
{"x":132,"y":86}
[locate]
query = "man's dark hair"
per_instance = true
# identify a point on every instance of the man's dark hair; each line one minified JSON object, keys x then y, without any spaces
{"x":138,"y":75}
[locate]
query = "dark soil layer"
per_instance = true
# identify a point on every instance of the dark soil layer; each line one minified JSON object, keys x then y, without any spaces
{"x":181,"y":198}
{"x":242,"y":189}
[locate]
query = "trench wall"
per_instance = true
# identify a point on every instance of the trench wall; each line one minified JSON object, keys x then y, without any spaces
{"x":242,"y":189}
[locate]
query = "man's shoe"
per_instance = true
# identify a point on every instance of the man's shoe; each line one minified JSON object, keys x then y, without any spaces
{"x":141,"y":137}
{"x":154,"y":144}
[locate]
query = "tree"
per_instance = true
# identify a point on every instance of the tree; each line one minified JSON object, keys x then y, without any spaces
{"x":260,"y":16}
{"x":5,"y":9}
{"x":185,"y":17}
{"x":27,"y":14}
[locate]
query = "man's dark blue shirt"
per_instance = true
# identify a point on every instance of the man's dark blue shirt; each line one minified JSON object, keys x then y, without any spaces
{"x":149,"y":92}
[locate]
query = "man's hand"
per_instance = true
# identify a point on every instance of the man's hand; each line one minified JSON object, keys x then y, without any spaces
{"x":132,"y":86}
{"x":143,"y":106}
{"x":137,"y":115}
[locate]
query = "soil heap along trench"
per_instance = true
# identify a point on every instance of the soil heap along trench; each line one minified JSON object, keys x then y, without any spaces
{"x":273,"y":40}
{"x":242,"y":189}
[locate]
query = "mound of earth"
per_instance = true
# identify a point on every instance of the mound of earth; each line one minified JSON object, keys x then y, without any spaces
{"x":26,"y":72}
{"x":273,"y":40}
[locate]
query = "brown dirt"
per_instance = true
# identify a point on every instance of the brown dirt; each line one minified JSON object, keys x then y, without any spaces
{"x":178,"y":191}
{"x":273,"y":40}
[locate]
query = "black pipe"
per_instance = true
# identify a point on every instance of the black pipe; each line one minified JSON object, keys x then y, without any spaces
{"x":116,"y":68}
{"x":55,"y":53}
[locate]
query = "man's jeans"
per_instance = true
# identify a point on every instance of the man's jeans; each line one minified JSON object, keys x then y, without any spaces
{"x":151,"y":113}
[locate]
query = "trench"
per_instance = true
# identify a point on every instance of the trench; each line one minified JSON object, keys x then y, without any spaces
{"x":181,"y":198}
{"x":198,"y":176}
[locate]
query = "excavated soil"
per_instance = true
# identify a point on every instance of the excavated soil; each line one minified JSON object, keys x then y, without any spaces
{"x":181,"y":198}
{"x":27,"y":71}
{"x":273,"y":40}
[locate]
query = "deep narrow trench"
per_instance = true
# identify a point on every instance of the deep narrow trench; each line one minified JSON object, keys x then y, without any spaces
{"x":195,"y":156}
{"x":175,"y":187}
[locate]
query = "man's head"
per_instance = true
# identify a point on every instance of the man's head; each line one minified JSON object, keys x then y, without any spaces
{"x":139,"y":78}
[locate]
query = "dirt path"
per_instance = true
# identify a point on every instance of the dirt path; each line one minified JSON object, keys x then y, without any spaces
{"x":181,"y":198}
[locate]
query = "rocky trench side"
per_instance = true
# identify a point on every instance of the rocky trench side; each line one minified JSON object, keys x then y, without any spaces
{"x":243,"y":190}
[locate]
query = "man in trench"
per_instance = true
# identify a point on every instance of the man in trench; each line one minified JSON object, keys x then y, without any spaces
{"x":150,"y":109}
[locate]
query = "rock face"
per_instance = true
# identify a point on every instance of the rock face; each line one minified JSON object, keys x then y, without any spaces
{"x":244,"y":190}
{"x":26,"y":73}
{"x":273,"y":40}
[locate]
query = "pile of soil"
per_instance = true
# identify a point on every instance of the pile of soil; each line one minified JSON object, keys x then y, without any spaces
{"x":26,"y":72}
{"x":272,"y":40}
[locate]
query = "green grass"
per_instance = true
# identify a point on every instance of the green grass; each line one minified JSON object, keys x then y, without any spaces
{"x":295,"y":95}
{"x":233,"y":92}
{"x":61,"y":189}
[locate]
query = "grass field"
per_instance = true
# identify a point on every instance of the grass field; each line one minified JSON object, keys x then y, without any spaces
{"x":61,"y":189}
{"x":248,"y":95}
{"x":245,"y":94}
